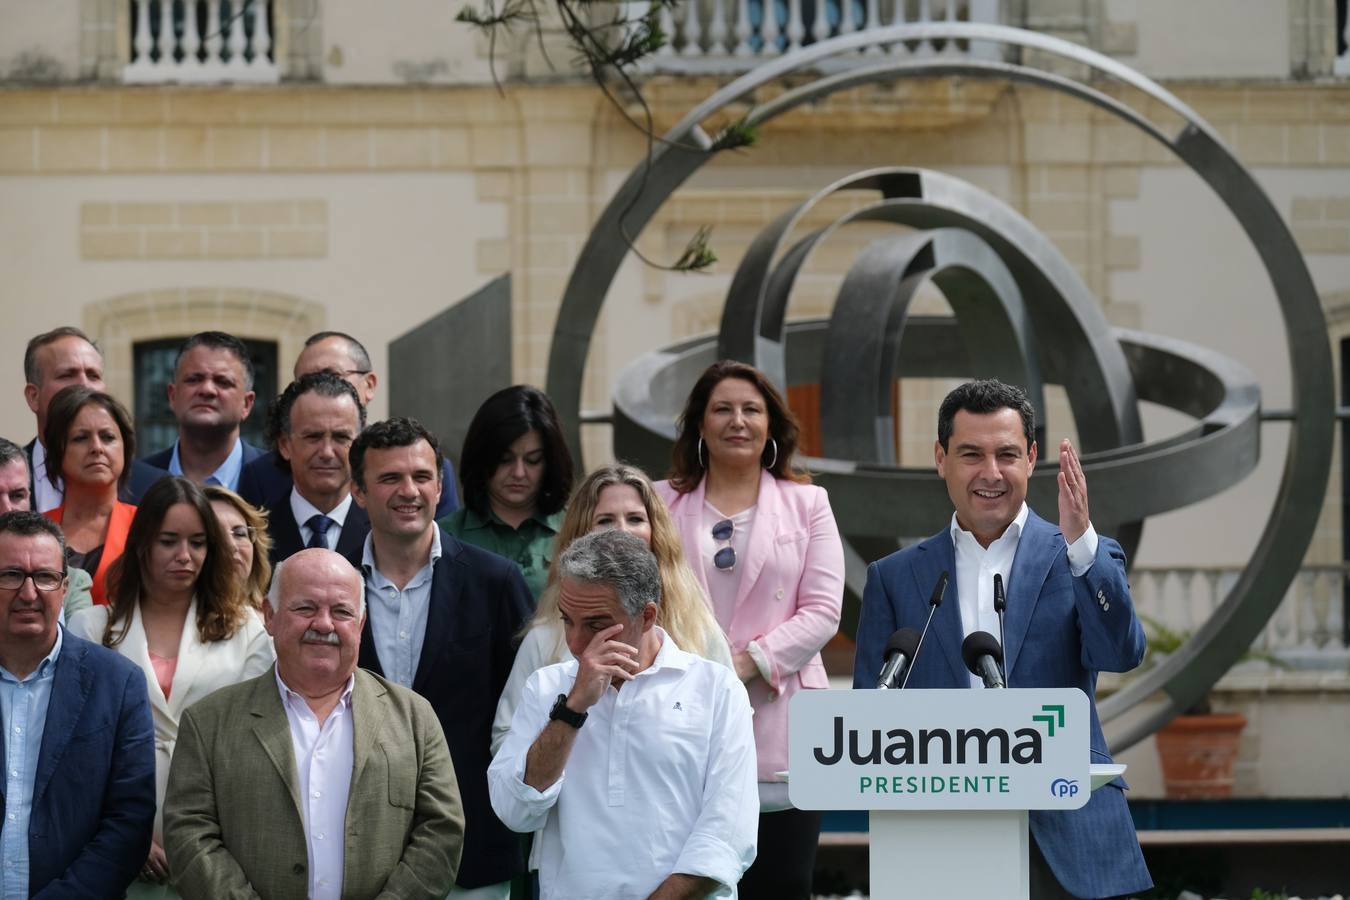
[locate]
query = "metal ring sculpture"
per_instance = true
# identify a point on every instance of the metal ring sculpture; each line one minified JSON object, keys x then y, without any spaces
{"x":1020,"y":282}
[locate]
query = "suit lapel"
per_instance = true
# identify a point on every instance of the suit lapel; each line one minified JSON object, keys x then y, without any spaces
{"x":273,"y":731}
{"x":690,"y":523}
{"x":446,"y":584}
{"x":70,"y":689}
{"x":1036,"y":551}
{"x":762,"y":534}
{"x":935,"y":557}
{"x":368,"y":712}
{"x":285,"y":533}
{"x":136,"y":648}
{"x":191,"y":655}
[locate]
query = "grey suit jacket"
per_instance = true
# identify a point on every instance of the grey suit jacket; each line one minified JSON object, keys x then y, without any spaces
{"x":232,"y":821}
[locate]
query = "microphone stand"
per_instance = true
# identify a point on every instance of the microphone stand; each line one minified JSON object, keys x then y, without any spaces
{"x":933,"y":603}
{"x":1000,"y":604}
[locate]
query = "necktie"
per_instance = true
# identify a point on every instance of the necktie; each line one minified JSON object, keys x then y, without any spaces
{"x":318,"y":531}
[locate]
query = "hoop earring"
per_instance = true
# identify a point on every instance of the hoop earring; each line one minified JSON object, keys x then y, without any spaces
{"x":698,"y":453}
{"x":775,"y":454}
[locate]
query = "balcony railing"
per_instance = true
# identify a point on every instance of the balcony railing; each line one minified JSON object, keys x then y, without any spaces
{"x":201,"y":41}
{"x":1308,"y":630}
{"x":732,"y":35}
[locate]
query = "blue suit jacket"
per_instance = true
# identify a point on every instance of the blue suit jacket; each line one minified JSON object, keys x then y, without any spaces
{"x":478,"y":603}
{"x":263,"y":482}
{"x":94,"y":795}
{"x":161,"y":459}
{"x":1061,"y":631}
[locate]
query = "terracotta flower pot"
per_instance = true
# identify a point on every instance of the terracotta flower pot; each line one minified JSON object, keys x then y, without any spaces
{"x":1198,"y":753}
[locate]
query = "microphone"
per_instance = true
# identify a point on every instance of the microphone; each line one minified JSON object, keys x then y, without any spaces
{"x":1000,"y":604}
{"x":899,"y":654}
{"x":934,"y":601}
{"x":982,"y":654}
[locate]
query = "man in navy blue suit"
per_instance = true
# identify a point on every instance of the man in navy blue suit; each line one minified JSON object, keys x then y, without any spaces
{"x":442,"y":618}
{"x":1069,"y":613}
{"x":77,"y":797}
{"x":54,"y":360}
{"x":211,"y":395}
{"x":265,"y":480}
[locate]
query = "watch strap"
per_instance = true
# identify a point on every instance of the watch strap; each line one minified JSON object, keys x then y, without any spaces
{"x":562,"y":713}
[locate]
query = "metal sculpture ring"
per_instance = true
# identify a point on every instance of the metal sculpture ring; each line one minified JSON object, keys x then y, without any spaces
{"x":1000,"y":275}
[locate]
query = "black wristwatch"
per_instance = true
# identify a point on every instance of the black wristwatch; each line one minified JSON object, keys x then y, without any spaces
{"x":563,"y":714}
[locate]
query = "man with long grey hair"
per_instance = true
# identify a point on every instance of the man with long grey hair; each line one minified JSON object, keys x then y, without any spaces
{"x":633,"y":744}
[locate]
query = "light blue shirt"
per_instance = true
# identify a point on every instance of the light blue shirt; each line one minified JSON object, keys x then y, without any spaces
{"x":226,"y":476}
{"x":398,"y":619}
{"x":23,"y":716}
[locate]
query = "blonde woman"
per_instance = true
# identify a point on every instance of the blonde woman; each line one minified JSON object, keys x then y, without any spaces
{"x":617,"y":496}
{"x":246,"y":527}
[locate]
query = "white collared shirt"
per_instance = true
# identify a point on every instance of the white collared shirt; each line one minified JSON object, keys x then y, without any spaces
{"x":303,"y":510}
{"x":398,"y":618}
{"x":323,"y":767}
{"x":661,"y":780}
{"x":45,"y":497}
{"x":976,"y":567}
{"x":226,"y":476}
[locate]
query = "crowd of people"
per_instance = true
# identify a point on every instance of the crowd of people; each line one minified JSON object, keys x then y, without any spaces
{"x":310,"y":670}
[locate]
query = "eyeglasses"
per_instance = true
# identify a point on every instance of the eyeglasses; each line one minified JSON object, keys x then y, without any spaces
{"x":243,"y":534}
{"x":725,"y":558}
{"x":43,"y":579}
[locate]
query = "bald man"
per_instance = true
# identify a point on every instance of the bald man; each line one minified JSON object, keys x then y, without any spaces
{"x":316,"y":779}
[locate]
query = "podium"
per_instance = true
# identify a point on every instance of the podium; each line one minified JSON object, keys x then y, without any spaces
{"x":948,"y":777}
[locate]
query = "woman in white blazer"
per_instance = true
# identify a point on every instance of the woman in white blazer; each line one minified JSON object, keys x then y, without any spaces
{"x":176,"y":609}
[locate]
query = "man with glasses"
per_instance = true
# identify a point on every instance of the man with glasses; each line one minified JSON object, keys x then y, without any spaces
{"x":16,"y":494}
{"x":78,"y":744}
{"x":264,"y":481}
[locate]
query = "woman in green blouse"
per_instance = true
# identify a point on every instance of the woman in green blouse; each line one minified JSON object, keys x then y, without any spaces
{"x":516,"y":474}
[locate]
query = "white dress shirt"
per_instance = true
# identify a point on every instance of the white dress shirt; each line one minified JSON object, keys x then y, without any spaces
{"x":303,"y":510}
{"x":227,"y":475}
{"x":976,"y":567}
{"x":398,"y":618}
{"x":660,"y":780}
{"x":323,"y":766}
{"x":45,"y":496}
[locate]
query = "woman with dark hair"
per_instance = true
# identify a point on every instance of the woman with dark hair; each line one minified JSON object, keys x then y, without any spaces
{"x":90,"y":445}
{"x":246,"y":527}
{"x":763,"y":542}
{"x":176,"y":610}
{"x":516,"y":474}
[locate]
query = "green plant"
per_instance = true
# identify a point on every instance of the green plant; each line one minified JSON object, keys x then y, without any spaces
{"x":1259,"y":894}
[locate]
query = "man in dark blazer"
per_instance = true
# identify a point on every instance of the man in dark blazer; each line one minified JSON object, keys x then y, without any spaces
{"x":211,"y":395}
{"x":77,"y":796}
{"x":442,"y":618}
{"x":318,"y":418}
{"x":54,"y":360}
{"x":267,"y":479}
{"x":1069,"y":614}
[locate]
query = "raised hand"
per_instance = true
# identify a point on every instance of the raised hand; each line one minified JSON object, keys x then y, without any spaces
{"x":603,"y":660}
{"x":1073,"y":494}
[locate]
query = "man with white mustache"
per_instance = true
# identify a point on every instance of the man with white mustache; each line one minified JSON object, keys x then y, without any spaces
{"x":315,"y":779}
{"x":443,"y":620}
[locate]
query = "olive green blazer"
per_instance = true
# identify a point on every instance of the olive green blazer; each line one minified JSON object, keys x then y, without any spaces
{"x":232,"y":821}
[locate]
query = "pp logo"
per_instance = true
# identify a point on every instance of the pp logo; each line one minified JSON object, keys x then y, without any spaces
{"x":1063,"y":787}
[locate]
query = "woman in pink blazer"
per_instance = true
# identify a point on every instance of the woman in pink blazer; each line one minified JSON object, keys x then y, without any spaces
{"x":763,"y":542}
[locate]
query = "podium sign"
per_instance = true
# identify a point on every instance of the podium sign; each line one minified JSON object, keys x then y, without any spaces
{"x":1014,"y":749}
